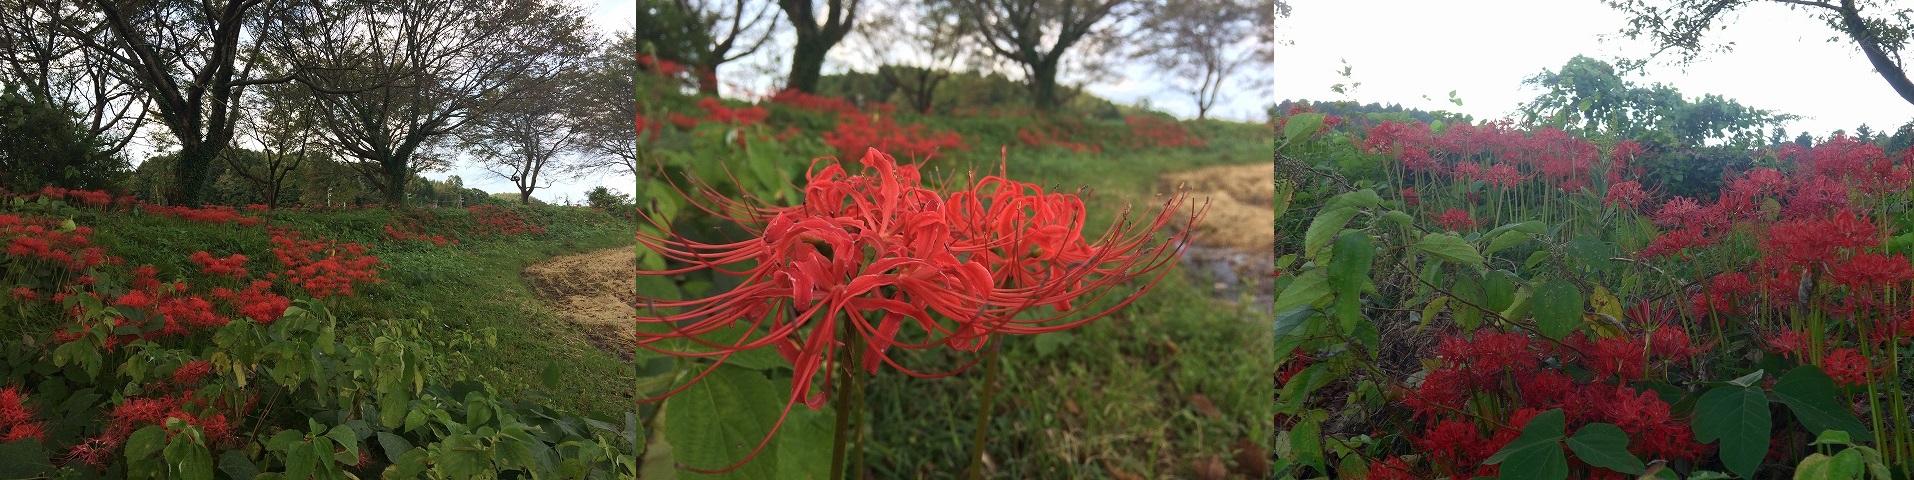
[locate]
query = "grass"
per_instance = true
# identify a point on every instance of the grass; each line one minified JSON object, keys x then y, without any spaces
{"x":462,"y":289}
{"x":1112,"y":399}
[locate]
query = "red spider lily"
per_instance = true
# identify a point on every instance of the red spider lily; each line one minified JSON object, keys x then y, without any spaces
{"x":16,"y":421}
{"x":1456,"y":220}
{"x":1847,"y":366}
{"x":904,"y":265}
{"x":1626,"y":195}
{"x":232,"y":266}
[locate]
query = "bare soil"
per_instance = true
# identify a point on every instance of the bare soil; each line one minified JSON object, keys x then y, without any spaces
{"x":595,"y":290}
{"x":1235,"y":245}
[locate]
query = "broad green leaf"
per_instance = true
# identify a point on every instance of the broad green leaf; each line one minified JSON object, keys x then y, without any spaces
{"x":23,"y":458}
{"x":1301,"y":125}
{"x":1537,"y":453}
{"x":1842,"y":466}
{"x":1506,"y":240}
{"x":1738,"y":418}
{"x":718,"y":421}
{"x":1520,"y":306}
{"x":1811,"y":396}
{"x":1324,"y":227}
{"x":804,"y":443}
{"x":1606,"y":446}
{"x":1558,"y":308}
{"x":1306,"y":290}
{"x":1592,"y":252}
{"x":145,"y":442}
{"x":1543,"y":429}
{"x":1348,"y":270}
{"x":237,"y":466}
{"x":1468,"y":292}
{"x":1498,"y":290}
{"x":1288,"y":321}
{"x":1451,"y":248}
{"x":188,"y":458}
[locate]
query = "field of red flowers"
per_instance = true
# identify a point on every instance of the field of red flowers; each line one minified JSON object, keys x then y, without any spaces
{"x":172,"y":342}
{"x":1480,"y":300}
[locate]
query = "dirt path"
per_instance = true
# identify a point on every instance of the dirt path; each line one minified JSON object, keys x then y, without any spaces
{"x":595,"y":290}
{"x":1236,"y":243}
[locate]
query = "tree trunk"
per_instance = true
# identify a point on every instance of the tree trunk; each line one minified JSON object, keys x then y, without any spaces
{"x":708,"y":79}
{"x":395,"y":178}
{"x":1043,"y":86}
{"x":190,"y":177}
{"x":524,"y":196}
{"x":1877,"y":55}
{"x":807,"y":64}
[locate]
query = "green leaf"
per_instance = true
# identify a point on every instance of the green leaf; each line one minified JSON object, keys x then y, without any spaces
{"x":1558,"y":308}
{"x":462,"y":456}
{"x":719,"y":420}
{"x":188,"y":458}
{"x":1506,"y":240}
{"x":237,"y":466}
{"x":1324,"y":227}
{"x":804,"y":444}
{"x":1498,"y":290}
{"x":1593,"y":252}
{"x":1468,"y":292}
{"x":1810,"y":395}
{"x":1451,"y":248}
{"x":1606,"y":446}
{"x":1301,"y":125}
{"x":1738,"y":417}
{"x":1846,"y":465}
{"x":145,"y":442}
{"x":1348,"y":270}
{"x":1308,"y":288}
{"x":1543,"y":429}
{"x":23,"y":458}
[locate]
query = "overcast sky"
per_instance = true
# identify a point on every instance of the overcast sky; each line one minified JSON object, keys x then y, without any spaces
{"x":1403,"y":50}
{"x":609,"y":16}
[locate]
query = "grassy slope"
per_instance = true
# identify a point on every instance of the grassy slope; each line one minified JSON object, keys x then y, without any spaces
{"x":1114,"y":395}
{"x":465,"y":288}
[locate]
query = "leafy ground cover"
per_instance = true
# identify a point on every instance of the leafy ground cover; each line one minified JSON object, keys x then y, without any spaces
{"x":218,"y":342}
{"x":1463,"y":300}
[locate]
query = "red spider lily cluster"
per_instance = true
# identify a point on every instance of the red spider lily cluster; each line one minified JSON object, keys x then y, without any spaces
{"x":486,"y":221}
{"x":1794,"y":252}
{"x":816,"y":103}
{"x":1330,"y":122}
{"x":44,"y":239}
{"x":660,"y":66}
{"x":138,"y":412}
{"x":859,"y":133}
{"x":1485,"y":387}
{"x":232,"y":266}
{"x":902,"y":266}
{"x":1158,"y":132}
{"x":716,"y":112}
{"x":16,"y":421}
{"x":1055,"y":135}
{"x":323,"y":268}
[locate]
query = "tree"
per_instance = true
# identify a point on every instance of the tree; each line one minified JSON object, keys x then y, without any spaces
{"x":815,"y":37}
{"x":1200,"y":44}
{"x":56,"y":71}
{"x":284,"y":129}
{"x":1589,"y":97}
{"x":605,"y":110}
{"x":918,"y":51}
{"x":417,"y":71}
{"x":191,"y":59}
{"x":1035,"y":34}
{"x":1876,"y":27}
{"x":41,"y":145}
{"x":522,"y":138}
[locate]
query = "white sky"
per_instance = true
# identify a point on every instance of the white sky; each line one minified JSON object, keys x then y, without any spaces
{"x":1404,"y":50}
{"x":609,"y":16}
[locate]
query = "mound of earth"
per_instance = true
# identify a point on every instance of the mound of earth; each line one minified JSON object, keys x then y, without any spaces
{"x":1235,"y":245}
{"x":595,"y":290}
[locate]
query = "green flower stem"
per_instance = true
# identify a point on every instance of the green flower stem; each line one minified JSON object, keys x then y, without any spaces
{"x":983,"y":417}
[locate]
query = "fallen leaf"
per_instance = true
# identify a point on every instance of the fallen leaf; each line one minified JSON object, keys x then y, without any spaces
{"x":1071,"y":406}
{"x":1209,"y":468}
{"x":1252,"y":460}
{"x":1202,"y":404}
